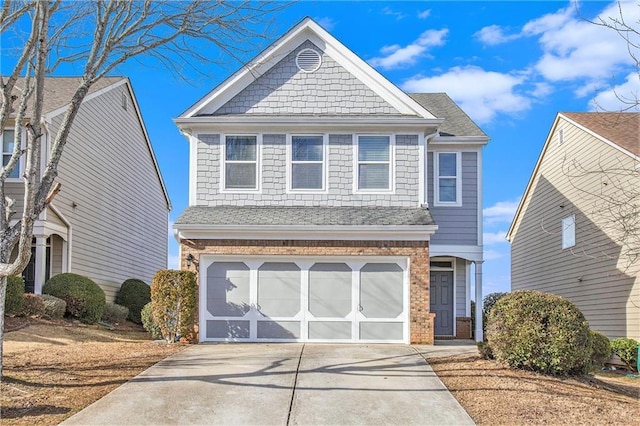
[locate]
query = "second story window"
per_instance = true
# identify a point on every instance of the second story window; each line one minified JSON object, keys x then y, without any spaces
{"x":374,"y":163}
{"x":568,"y":232}
{"x":307,"y":162}
{"x":241,"y":162}
{"x":7,"y":151}
{"x":447,"y":182}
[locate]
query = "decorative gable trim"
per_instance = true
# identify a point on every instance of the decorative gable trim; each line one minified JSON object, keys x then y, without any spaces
{"x":308,"y":29}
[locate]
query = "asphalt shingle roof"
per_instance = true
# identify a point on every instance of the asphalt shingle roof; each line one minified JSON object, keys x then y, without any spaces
{"x":303,"y":216}
{"x":456,"y":121}
{"x":621,"y":128}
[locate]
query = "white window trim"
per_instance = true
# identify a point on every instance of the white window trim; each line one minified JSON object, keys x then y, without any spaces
{"x":436,"y":180}
{"x":325,"y":164}
{"x":569,"y":225}
{"x":20,"y":164}
{"x":392,"y":161}
{"x":223,"y":162}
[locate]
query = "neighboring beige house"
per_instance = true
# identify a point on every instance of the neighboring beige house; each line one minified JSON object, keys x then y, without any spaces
{"x":570,"y":235}
{"x":327,"y":205}
{"x":109,"y":221}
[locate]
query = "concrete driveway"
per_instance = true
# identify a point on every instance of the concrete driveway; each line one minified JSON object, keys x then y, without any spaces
{"x":282,"y":384}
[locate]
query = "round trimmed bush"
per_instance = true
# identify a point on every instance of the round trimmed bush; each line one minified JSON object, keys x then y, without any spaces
{"x":134,"y":294}
{"x":540,"y":332}
{"x":600,"y":349}
{"x":85,"y":299}
{"x":146,"y":315}
{"x":14,"y":298}
{"x":54,"y":307}
{"x":114,"y":313}
{"x":33,"y":305}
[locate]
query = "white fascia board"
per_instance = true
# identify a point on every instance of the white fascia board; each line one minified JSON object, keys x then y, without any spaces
{"x":341,"y":233}
{"x":459,"y":140}
{"x":471,"y":253}
{"x":309,"y":30}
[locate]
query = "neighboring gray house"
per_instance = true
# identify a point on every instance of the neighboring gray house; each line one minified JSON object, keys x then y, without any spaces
{"x":325,"y":204}
{"x":576,"y":230}
{"x":109,"y":221}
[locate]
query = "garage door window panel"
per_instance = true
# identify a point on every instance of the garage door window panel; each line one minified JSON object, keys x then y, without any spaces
{"x":330,"y":290}
{"x":278,"y":329}
{"x":279,"y":289}
{"x":228,"y":329}
{"x":381,"y":290}
{"x":330,"y":330}
{"x":228,"y":290}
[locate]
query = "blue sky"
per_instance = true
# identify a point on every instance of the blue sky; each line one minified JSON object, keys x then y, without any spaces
{"x":510,"y":65}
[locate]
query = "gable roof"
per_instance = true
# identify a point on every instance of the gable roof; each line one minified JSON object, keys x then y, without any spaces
{"x":456,"y":121}
{"x":618,"y":129}
{"x":308,"y":29}
{"x":621,"y":128}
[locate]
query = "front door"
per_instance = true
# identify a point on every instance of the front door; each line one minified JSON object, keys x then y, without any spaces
{"x":442,"y":301}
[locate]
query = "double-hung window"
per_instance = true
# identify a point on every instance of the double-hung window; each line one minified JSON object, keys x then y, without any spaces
{"x":374,"y":163}
{"x":7,"y":150}
{"x":307,"y":163}
{"x":447,"y":181}
{"x":241,"y":162}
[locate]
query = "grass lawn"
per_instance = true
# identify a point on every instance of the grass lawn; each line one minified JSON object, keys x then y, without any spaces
{"x":53,"y":369}
{"x":497,"y":395}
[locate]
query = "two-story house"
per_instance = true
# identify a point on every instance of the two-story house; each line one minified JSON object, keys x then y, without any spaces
{"x":327,"y":205}
{"x":109,"y":221}
{"x":576,"y":232}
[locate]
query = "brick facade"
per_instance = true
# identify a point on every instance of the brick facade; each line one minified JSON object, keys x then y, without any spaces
{"x":421,"y":322}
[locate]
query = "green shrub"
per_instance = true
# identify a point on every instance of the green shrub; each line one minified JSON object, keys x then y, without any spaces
{"x":627,"y":350}
{"x":473,"y":319}
{"x":14,"y":296}
{"x":134,"y":294}
{"x":600,"y":349}
{"x":540,"y":332}
{"x":485,"y":350}
{"x":487,"y":304}
{"x":146,"y":315}
{"x":173,"y":300}
{"x":85,"y":299}
{"x":54,"y":307}
{"x":114,"y":313}
{"x":33,"y":305}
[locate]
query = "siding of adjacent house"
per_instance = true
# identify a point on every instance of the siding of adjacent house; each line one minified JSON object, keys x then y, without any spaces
{"x":111,"y":194}
{"x":592,"y":274}
{"x":285,"y":90}
{"x":457,"y":225}
{"x":340,"y":180}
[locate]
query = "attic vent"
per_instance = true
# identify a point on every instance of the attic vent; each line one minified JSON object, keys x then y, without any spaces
{"x":308,"y":60}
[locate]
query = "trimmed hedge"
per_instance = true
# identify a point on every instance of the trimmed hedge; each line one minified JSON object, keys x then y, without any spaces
{"x":627,"y":350}
{"x":134,"y":294}
{"x":33,"y":305}
{"x":541,"y":332}
{"x":146,"y":315}
{"x":85,"y":299}
{"x":14,"y":298}
{"x":54,"y":307}
{"x":173,"y":301}
{"x":600,"y":349}
{"x":114,"y":313}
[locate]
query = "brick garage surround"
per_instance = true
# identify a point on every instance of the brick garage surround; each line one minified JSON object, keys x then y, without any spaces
{"x":421,"y":321}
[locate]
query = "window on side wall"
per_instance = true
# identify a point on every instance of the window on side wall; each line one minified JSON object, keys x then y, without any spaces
{"x":241,"y":163}
{"x":7,"y":150}
{"x":447,"y":182}
{"x":307,"y":163}
{"x":568,"y":232}
{"x":374,"y":163}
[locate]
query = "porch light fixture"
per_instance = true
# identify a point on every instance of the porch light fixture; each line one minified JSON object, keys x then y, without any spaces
{"x":189,"y":260}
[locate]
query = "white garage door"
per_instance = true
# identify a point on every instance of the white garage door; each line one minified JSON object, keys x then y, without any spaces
{"x":302,"y":299}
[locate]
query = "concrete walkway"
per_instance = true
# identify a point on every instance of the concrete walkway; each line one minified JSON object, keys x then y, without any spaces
{"x":282,"y":384}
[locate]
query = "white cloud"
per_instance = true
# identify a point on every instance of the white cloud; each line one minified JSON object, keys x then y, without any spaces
{"x":390,"y":12}
{"x":481,"y":94}
{"x":623,"y":97}
{"x":500,"y":212}
{"x":424,"y":14}
{"x":494,"y":34}
{"x":489,"y":238}
{"x":492,"y":255}
{"x":395,"y":56}
{"x":541,"y":90}
{"x":326,"y":22}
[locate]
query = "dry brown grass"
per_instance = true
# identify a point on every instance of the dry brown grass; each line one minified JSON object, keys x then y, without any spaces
{"x":54,"y":369}
{"x":497,"y":395}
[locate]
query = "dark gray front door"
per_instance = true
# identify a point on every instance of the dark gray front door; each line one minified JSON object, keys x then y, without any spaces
{"x":442,"y":301}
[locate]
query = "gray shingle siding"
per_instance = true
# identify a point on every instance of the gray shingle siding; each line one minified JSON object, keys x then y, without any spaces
{"x":340,"y":176}
{"x":284,"y":89}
